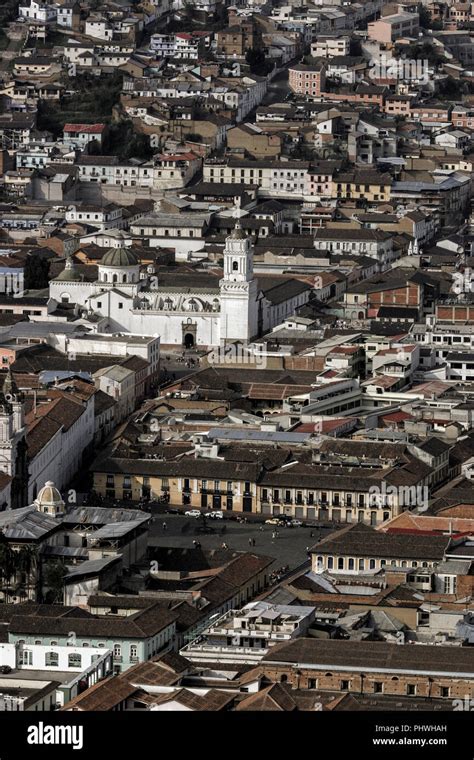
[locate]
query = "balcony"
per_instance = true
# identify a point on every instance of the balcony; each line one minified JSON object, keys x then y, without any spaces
{"x":219,"y":492}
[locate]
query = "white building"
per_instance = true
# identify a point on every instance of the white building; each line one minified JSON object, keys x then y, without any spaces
{"x":38,"y":11}
{"x":67,"y":668}
{"x":57,"y":441}
{"x":246,"y":635}
{"x":119,"y":383}
{"x":331,"y":46}
{"x":208,"y":313}
{"x":102,"y":217}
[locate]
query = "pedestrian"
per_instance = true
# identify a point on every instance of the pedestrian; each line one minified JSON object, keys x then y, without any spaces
{"x":253,"y":542}
{"x":250,"y":542}
{"x":311,"y":534}
{"x":194,"y":543}
{"x":165,"y":527}
{"x":274,"y":534}
{"x":261,"y":528}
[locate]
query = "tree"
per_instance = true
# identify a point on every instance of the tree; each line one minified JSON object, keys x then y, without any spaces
{"x":255,"y":57}
{"x":425,"y":18}
{"x":193,"y":137}
{"x":53,"y":580}
{"x":28,"y":564}
{"x":8,"y":566}
{"x":355,"y":47}
{"x":36,"y":272}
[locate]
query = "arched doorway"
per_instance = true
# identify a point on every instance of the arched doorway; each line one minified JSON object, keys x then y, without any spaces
{"x":188,"y":340}
{"x":189,"y":333}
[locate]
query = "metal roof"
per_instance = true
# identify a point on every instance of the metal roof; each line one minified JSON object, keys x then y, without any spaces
{"x":258,"y":435}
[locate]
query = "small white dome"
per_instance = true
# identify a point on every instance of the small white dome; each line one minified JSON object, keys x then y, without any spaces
{"x":49,"y":499}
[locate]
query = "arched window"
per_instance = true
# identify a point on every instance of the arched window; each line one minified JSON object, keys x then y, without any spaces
{"x":51,"y":659}
{"x":340,"y":563}
{"x":283,"y":678}
{"x":104,"y":277}
{"x":235,"y":266}
{"x":74,"y":660}
{"x":351,"y":564}
{"x":124,"y":278}
{"x":330,"y":563}
{"x":114,"y":278}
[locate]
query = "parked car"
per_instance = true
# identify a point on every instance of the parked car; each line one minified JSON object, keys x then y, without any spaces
{"x":172,"y":511}
{"x":216,"y":515}
{"x":296,"y":523}
{"x":5,"y":669}
{"x":193,"y":513}
{"x":276,"y":521}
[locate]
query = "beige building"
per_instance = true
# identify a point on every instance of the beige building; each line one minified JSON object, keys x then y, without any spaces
{"x":254,"y":140}
{"x":388,"y":29}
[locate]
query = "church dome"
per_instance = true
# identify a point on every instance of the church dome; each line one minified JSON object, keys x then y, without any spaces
{"x":119,"y":257}
{"x":238,"y":233}
{"x":49,"y":499}
{"x":69,"y":273}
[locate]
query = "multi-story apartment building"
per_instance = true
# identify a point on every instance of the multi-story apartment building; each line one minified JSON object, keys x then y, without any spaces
{"x":308,"y":79}
{"x":358,"y":185}
{"x":356,"y":242}
{"x":285,"y":179}
{"x":330,"y":46}
{"x":391,"y":28}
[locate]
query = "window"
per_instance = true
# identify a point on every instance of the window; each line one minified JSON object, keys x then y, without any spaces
{"x":330,"y":563}
{"x":411,"y":689}
{"x":133,"y":651}
{"x":378,"y":687}
{"x":445,"y":691}
{"x":25,"y":657}
{"x":74,"y":660}
{"x":345,"y":685}
{"x":51,"y":659}
{"x":312,"y":683}
{"x":117,"y":650}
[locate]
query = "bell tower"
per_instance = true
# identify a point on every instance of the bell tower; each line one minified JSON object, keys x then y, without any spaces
{"x":238,"y":289}
{"x":12,"y":440}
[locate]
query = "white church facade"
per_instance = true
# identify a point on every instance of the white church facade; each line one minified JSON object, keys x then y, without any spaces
{"x":200,"y":310}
